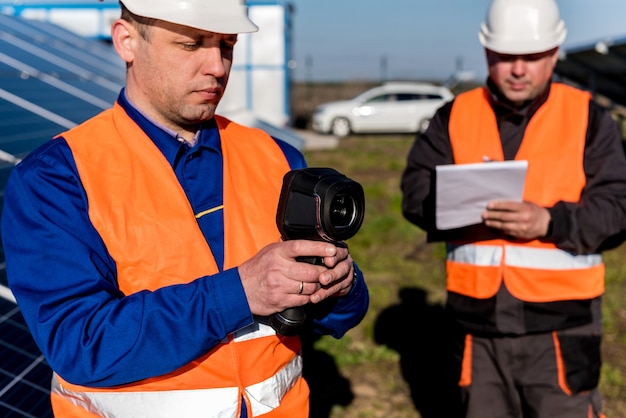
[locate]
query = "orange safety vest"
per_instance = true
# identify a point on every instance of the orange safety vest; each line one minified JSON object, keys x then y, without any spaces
{"x":151,"y":248}
{"x":554,"y":143}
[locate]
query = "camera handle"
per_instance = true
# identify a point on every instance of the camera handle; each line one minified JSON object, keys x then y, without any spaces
{"x":289,"y":322}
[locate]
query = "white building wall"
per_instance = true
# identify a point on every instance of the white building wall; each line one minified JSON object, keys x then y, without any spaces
{"x":259,"y":81}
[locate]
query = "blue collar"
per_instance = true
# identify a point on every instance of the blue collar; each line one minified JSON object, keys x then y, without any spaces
{"x":167,"y":140}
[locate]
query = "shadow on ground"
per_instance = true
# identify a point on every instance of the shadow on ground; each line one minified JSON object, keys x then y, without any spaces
{"x":328,"y":386}
{"x":422,"y":333}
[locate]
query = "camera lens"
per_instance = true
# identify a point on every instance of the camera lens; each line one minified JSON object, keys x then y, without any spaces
{"x":342,"y":211}
{"x":319,"y":203}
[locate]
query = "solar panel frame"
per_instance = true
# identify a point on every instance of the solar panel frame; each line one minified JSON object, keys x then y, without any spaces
{"x":24,"y":374}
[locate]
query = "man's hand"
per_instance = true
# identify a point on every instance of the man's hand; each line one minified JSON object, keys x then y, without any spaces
{"x":523,"y":220}
{"x":273,"y":280}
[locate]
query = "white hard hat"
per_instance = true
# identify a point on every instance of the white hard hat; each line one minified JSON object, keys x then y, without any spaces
{"x":522,"y":27}
{"x":219,"y":16}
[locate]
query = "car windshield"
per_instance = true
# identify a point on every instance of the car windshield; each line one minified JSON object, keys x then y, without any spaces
{"x":381,"y":98}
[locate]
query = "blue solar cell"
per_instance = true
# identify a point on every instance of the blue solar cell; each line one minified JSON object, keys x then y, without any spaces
{"x":49,"y":66}
{"x":64,"y":94}
{"x":21,"y":130}
{"x":24,"y":373}
{"x":95,"y":57}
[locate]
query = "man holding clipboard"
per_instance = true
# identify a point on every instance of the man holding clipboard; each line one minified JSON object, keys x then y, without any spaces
{"x":526,"y":277}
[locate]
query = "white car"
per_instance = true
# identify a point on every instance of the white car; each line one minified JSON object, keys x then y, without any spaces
{"x":395,"y":107}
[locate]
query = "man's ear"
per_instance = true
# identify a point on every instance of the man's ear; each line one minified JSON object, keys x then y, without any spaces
{"x":123,"y":35}
{"x":555,"y":57}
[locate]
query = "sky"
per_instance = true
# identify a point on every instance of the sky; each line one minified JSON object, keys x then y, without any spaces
{"x":339,"y":40}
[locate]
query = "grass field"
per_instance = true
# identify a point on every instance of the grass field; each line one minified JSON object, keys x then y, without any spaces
{"x":390,"y":365}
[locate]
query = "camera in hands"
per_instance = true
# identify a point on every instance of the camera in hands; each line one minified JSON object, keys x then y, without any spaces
{"x":319,"y":204}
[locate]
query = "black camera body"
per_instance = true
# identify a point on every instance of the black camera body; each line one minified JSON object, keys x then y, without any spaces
{"x":318,"y":204}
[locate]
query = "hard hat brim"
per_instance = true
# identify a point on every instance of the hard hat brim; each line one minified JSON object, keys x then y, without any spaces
{"x":521,"y":46}
{"x":225,"y":20}
{"x":225,"y":24}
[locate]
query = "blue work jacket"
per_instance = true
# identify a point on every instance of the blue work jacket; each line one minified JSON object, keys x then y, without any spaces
{"x":55,"y":259}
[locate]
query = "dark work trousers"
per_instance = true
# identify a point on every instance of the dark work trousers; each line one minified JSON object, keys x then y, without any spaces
{"x":549,"y":375}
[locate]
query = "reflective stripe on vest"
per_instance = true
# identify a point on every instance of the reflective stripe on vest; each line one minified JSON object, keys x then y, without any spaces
{"x":526,"y":257}
{"x":198,"y":403}
{"x":533,"y":271}
{"x":152,"y":254}
{"x":528,"y":271}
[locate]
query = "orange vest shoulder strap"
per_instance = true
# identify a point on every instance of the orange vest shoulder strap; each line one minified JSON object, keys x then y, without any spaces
{"x":473,"y":129}
{"x":254,"y":169}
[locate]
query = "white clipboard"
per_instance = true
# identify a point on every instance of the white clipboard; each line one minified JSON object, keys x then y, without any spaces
{"x":463,"y":190}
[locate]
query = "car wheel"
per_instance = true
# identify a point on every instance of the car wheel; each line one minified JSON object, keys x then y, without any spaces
{"x":340,"y":127}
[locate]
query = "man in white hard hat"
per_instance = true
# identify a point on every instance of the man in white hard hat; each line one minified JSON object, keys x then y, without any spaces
{"x":524,"y":286}
{"x":144,"y":250}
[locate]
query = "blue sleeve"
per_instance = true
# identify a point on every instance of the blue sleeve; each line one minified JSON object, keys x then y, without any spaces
{"x":65,"y":283}
{"x":294,"y":157}
{"x":340,"y":314}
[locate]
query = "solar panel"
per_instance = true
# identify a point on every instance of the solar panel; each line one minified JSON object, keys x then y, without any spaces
{"x":24,"y":374}
{"x":50,"y":81}
{"x":600,"y":67}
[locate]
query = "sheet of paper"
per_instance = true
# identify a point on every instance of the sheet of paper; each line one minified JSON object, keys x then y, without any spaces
{"x":463,"y":190}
